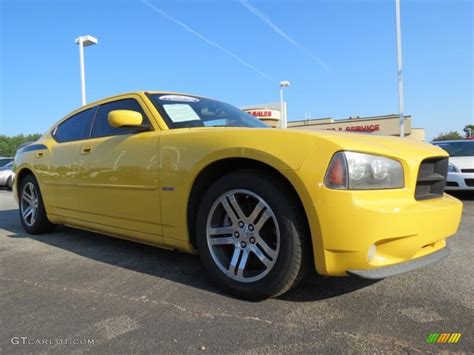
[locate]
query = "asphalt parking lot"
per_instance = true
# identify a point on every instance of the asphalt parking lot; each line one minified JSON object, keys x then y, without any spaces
{"x":74,"y":291}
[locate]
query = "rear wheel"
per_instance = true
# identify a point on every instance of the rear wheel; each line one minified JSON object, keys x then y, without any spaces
{"x":251,"y":235}
{"x":32,"y":211}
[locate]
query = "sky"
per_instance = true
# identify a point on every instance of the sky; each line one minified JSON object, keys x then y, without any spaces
{"x":339,"y":56}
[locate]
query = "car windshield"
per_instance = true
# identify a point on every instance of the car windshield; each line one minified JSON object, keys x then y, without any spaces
{"x":184,"y":111}
{"x":458,"y":149}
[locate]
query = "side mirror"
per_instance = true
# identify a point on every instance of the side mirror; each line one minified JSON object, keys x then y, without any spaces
{"x":127,"y":119}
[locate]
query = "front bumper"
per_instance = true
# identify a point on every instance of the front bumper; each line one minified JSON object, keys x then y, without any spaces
{"x":354,"y":224}
{"x":373,"y":229}
{"x":460,"y":181}
{"x":387,"y":271}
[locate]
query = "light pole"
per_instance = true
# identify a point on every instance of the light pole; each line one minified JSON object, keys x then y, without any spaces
{"x":283,"y":117}
{"x":84,"y":41}
{"x":399,"y":67}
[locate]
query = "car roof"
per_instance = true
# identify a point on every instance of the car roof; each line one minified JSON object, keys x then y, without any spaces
{"x":119,"y":96}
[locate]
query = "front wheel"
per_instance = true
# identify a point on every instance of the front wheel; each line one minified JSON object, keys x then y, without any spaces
{"x":32,"y":211}
{"x":251,"y":235}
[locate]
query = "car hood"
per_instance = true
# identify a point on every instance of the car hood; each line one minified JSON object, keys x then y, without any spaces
{"x":462,"y":162}
{"x":385,"y":145}
{"x":293,"y":146}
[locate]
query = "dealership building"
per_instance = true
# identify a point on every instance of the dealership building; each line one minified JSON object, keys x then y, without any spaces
{"x":386,"y":125}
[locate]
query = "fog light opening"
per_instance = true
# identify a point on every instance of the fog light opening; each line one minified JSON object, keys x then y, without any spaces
{"x":371,"y":253}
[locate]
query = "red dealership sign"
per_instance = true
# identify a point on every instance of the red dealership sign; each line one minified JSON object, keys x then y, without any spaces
{"x":265,"y":113}
{"x":261,"y":113}
{"x":361,"y":128}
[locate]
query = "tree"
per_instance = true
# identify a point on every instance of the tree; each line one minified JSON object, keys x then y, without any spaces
{"x":9,"y":145}
{"x":469,"y":130}
{"x":447,"y":136}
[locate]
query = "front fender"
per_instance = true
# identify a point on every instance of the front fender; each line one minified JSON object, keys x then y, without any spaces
{"x":184,"y":155}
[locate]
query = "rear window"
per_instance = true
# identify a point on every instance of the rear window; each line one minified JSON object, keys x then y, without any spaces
{"x":75,"y":128}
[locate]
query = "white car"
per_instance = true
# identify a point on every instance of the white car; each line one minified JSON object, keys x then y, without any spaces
{"x":461,"y":164}
{"x":7,"y":176}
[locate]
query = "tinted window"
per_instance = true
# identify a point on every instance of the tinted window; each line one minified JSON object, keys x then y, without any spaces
{"x":76,"y":127}
{"x":102,"y":127}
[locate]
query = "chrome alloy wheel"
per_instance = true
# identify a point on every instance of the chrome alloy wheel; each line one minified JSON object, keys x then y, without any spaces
{"x":243,"y":235}
{"x":29,"y":204}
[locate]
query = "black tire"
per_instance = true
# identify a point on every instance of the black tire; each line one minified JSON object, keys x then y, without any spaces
{"x":40,"y":224}
{"x":293,"y":254}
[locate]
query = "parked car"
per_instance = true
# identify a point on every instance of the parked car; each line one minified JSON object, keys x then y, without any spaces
{"x":259,"y":205}
{"x":461,"y":164}
{"x":7,"y":176}
{"x":4,"y":161}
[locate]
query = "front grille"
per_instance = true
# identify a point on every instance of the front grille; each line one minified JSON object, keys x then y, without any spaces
{"x":431,"y":179}
{"x":469,"y":182}
{"x":467,"y":170}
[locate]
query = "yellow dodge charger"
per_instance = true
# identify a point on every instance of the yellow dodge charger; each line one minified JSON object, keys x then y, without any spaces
{"x":259,"y":205}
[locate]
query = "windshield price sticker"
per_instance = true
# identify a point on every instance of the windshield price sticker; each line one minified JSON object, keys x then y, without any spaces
{"x":181,"y":113}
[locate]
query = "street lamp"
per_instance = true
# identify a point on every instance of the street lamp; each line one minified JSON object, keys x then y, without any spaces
{"x":283,"y":116}
{"x":399,"y":67}
{"x":84,"y":41}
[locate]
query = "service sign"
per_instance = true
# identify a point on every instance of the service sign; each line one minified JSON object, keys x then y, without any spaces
{"x":358,"y":128}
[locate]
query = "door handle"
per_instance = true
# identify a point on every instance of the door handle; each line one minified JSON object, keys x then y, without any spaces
{"x":86,"y":150}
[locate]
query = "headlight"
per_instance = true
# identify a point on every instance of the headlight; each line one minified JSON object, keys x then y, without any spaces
{"x":452,"y":168}
{"x":358,"y":171}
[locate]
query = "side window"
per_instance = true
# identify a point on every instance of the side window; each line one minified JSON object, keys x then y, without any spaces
{"x":102,"y":128}
{"x":76,"y":127}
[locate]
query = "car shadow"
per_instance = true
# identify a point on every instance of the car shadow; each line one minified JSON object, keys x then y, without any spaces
{"x":316,"y":287}
{"x":171,"y":265}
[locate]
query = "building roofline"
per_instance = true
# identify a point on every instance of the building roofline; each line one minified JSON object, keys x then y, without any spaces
{"x":344,"y":120}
